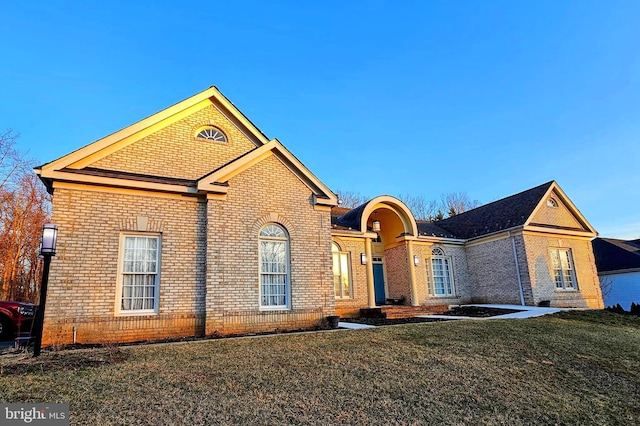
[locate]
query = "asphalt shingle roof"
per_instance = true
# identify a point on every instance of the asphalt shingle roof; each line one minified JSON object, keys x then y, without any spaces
{"x":348,"y":219}
{"x":433,"y":230}
{"x":496,"y":216}
{"x":613,"y":255}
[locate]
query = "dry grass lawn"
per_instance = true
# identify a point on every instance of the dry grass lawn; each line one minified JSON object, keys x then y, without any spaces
{"x":571,"y":368}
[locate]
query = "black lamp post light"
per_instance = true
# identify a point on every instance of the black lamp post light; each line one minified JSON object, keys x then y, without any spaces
{"x":47,"y":250}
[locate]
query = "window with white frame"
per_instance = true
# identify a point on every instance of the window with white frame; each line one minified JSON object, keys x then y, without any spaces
{"x":139,"y":274}
{"x":274,"y":267}
{"x":563,"y":269}
{"x":440,"y":274}
{"x":341,"y":275}
{"x":212,"y":133}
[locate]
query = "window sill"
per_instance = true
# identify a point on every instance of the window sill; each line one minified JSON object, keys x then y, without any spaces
{"x":136,"y":313}
{"x":274,"y":308}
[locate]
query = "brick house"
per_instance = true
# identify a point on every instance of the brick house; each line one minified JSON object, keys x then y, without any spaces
{"x":193,"y":222}
{"x":532,"y":248}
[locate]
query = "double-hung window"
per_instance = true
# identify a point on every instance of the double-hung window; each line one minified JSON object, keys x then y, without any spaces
{"x":341,"y":276}
{"x":441,"y":274}
{"x":274,"y":267}
{"x":139,"y":274}
{"x":563,"y":269}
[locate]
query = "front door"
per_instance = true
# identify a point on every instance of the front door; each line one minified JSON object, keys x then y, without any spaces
{"x":378,"y":283}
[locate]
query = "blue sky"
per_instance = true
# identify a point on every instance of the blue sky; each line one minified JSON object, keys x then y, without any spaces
{"x":376,"y":97}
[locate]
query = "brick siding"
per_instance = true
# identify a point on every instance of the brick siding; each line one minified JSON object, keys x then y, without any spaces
{"x":542,"y":281}
{"x":557,"y":216}
{"x":492,"y":272}
{"x":266,"y":192}
{"x":174,"y":151}
{"x":83,"y":276}
{"x":209,"y":277}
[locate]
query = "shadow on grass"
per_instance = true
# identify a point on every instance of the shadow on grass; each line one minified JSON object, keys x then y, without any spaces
{"x":63,"y":361}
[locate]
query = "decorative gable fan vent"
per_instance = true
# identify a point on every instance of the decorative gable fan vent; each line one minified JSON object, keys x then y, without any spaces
{"x":213,"y":134}
{"x":551,"y":202}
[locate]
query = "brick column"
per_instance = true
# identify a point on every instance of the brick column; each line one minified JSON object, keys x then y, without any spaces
{"x":412,"y":275}
{"x":371,"y":291}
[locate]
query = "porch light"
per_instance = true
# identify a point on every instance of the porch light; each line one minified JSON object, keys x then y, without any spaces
{"x":49,"y":239}
{"x":363,"y":258}
{"x":376,"y":226}
{"x":416,"y":260}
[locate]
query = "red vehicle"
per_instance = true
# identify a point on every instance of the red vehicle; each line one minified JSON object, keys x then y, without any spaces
{"x":15,"y":317}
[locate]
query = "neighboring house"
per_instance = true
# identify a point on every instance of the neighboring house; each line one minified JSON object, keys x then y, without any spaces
{"x":618,"y":263}
{"x":193,"y":222}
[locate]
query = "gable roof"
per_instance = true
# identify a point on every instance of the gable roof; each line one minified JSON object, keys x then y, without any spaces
{"x":101,"y":148}
{"x":515,"y":211}
{"x":510,"y":212}
{"x":217,"y":179}
{"x":615,"y":255}
{"x":76,"y":166}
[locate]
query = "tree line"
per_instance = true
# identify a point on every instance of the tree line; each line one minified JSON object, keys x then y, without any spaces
{"x":25,"y":207}
{"x":430,"y":210}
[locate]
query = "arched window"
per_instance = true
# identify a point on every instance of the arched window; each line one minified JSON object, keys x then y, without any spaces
{"x":212,"y":133}
{"x":341,"y":275}
{"x":274,"y":267}
{"x":551,"y":202}
{"x":440,"y":272}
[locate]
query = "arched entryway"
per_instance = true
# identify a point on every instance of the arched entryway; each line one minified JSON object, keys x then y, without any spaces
{"x":389,"y":229}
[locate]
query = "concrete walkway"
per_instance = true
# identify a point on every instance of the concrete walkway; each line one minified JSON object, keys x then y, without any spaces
{"x":354,"y":325}
{"x":524,"y":312}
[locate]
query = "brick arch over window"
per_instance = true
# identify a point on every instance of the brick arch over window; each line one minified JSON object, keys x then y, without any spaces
{"x":437,"y":250}
{"x":339,"y":242}
{"x":272,"y":218}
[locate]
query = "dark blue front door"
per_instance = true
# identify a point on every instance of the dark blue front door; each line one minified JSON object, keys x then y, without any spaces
{"x":378,"y":283}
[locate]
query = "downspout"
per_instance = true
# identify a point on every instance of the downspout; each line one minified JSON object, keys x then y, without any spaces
{"x":515,"y":258}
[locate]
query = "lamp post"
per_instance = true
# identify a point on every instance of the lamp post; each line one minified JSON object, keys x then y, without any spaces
{"x":47,"y":250}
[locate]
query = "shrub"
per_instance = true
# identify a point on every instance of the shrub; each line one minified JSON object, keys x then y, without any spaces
{"x":617,"y":309}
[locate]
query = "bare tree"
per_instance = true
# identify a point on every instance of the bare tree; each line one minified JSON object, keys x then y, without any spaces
{"x":606,"y":286}
{"x":24,"y":208}
{"x":449,"y":205}
{"x":11,"y":162}
{"x":350,"y":199}
{"x":455,"y":203}
{"x":421,"y":208}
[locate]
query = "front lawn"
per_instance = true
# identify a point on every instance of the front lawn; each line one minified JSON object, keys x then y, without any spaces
{"x":570,"y":368}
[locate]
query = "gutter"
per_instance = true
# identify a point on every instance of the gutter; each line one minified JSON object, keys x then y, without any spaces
{"x":515,"y":258}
